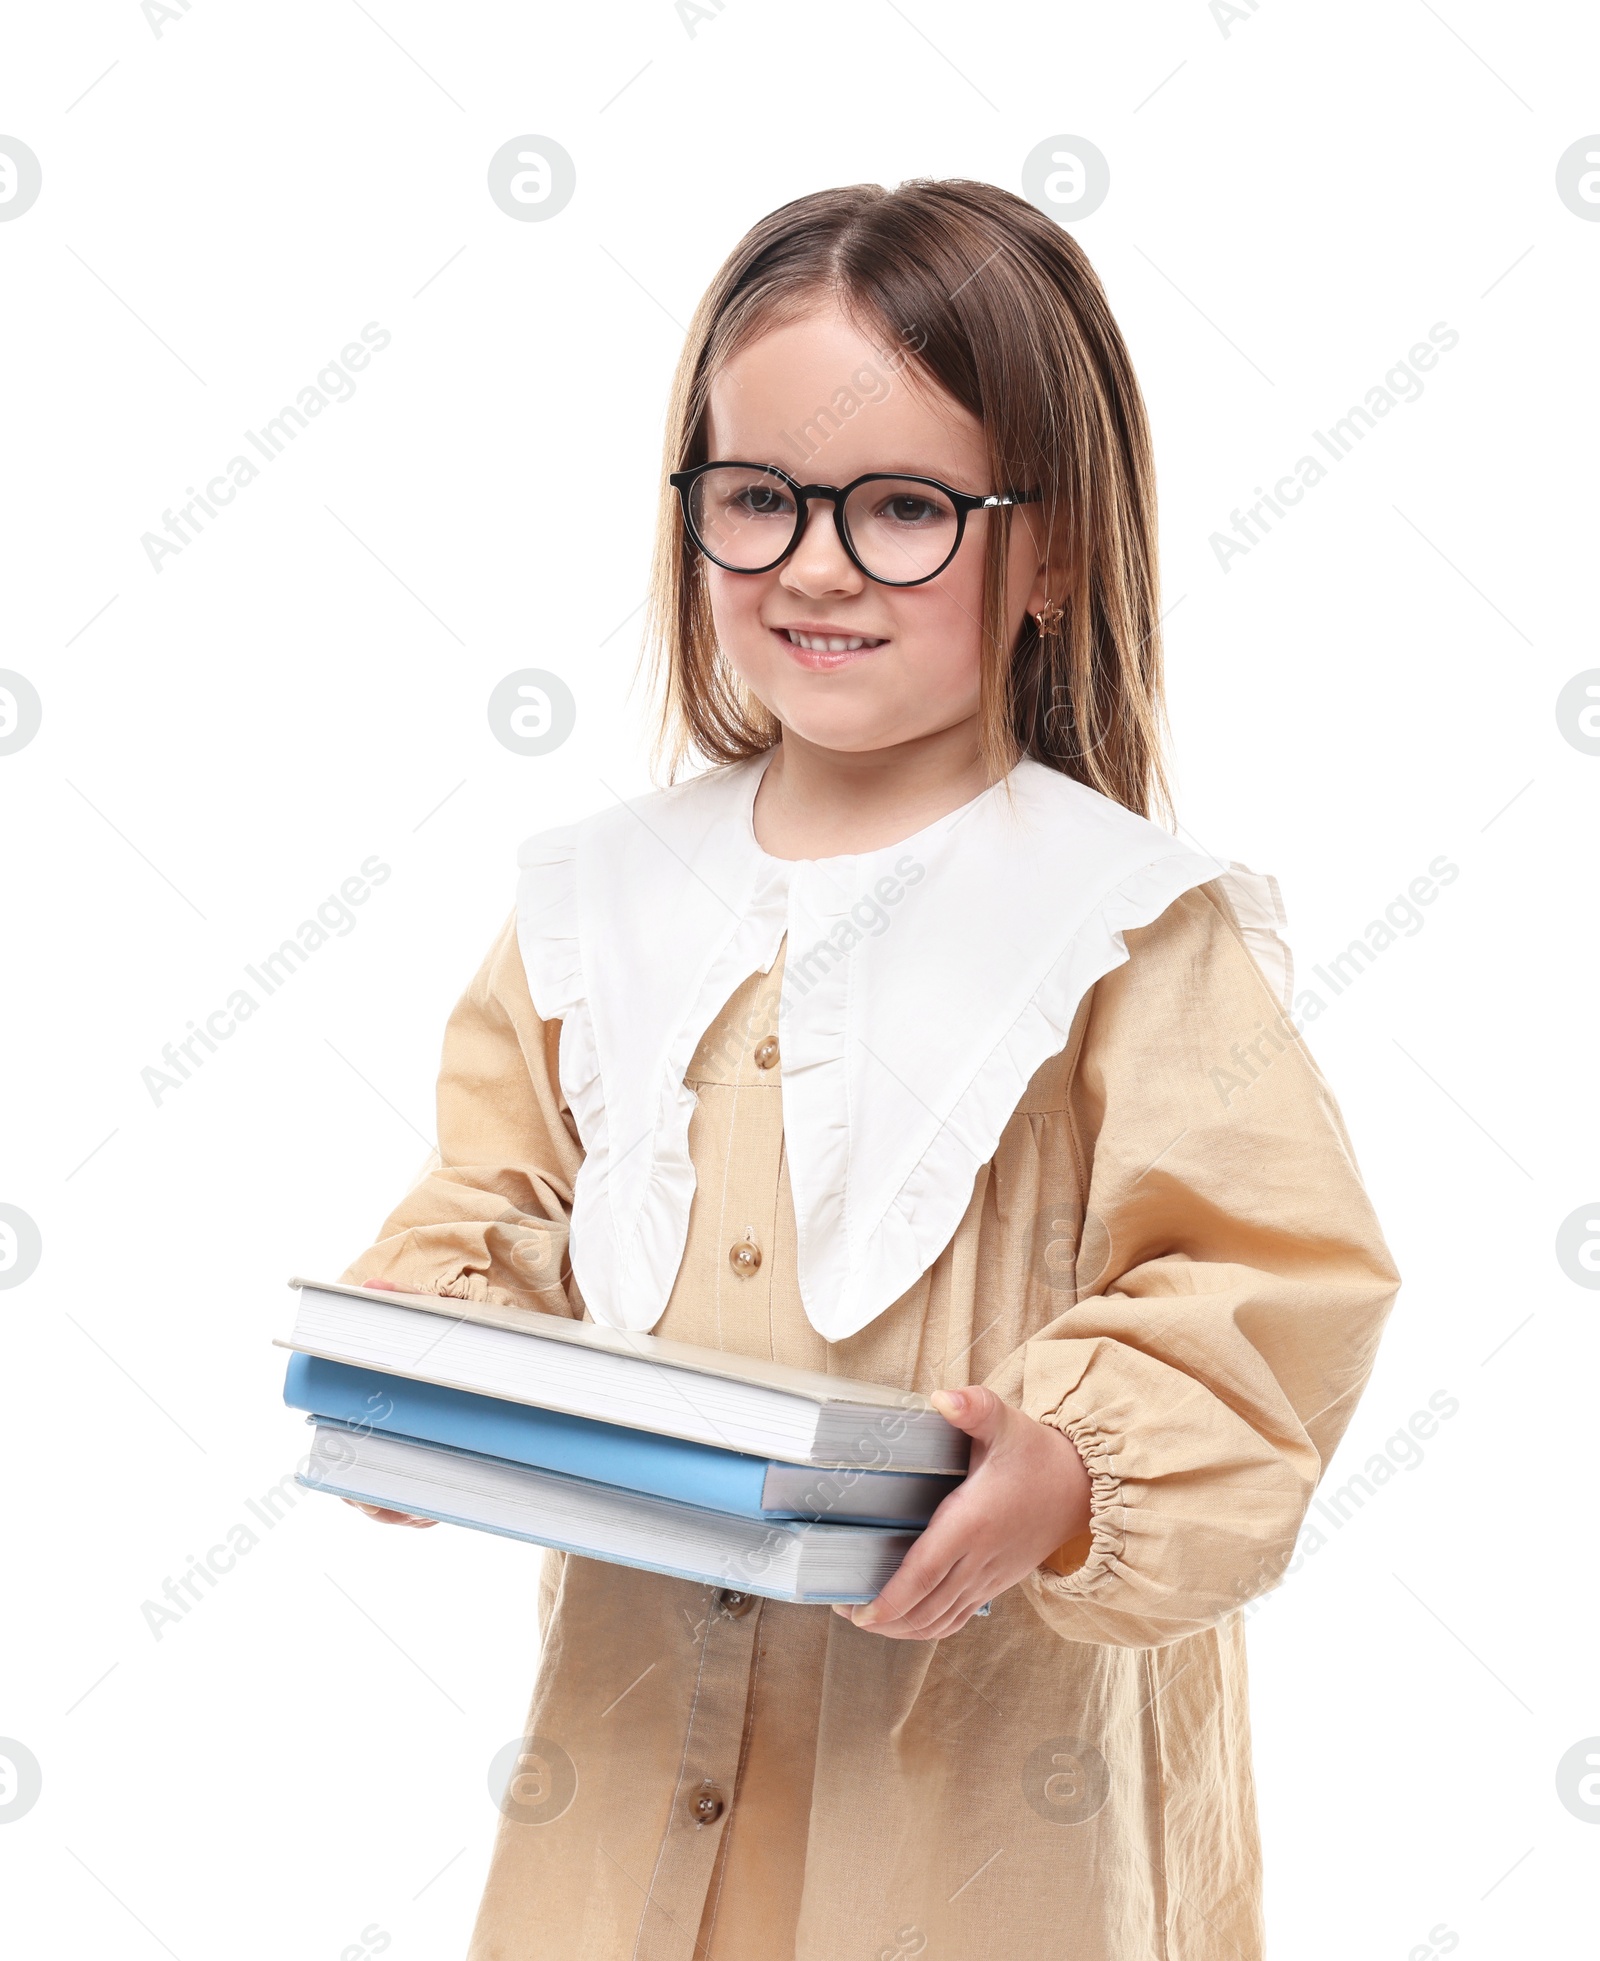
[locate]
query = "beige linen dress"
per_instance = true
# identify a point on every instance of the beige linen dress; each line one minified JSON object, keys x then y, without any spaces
{"x":1185,"y":1275}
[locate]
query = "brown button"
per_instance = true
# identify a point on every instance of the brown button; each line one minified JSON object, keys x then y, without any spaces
{"x":744,"y":1256}
{"x":707,"y":1805}
{"x":735,"y":1605}
{"x":767,"y":1053}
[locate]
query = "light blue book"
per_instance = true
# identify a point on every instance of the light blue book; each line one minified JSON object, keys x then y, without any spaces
{"x":366,"y":1400}
{"x":800,"y":1560}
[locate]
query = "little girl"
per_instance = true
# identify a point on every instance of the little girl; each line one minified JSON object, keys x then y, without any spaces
{"x":889,"y":1044}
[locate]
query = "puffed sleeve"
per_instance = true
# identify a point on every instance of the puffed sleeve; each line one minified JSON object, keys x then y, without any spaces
{"x":1231,"y":1285}
{"x":488,"y":1219}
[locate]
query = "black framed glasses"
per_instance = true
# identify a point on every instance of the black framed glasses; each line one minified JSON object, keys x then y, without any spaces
{"x":899,"y":530}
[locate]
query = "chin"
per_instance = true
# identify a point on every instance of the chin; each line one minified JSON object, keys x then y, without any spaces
{"x":848,"y":734}
{"x":845,"y":742}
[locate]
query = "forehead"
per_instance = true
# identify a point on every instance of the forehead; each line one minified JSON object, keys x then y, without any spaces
{"x":831,"y":400}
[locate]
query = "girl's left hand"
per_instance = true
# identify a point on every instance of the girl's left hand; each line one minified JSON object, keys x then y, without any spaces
{"x":1026,"y":1492}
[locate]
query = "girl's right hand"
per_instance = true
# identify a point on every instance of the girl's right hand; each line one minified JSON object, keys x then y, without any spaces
{"x":378,"y":1512}
{"x":389,"y":1518}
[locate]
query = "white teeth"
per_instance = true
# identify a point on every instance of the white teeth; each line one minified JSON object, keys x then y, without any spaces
{"x":828,"y":643}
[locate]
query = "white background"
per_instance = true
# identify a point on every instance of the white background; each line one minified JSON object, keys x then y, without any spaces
{"x":300,"y":1764}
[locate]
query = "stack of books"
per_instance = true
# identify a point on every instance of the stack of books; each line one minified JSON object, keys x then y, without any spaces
{"x":688,"y":1461}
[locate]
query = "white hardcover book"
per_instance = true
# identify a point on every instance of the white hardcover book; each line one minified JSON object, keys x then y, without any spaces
{"x":644,"y":1381}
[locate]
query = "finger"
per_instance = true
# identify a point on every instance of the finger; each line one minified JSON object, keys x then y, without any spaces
{"x":953,"y":1625}
{"x":936,"y":1629}
{"x":924,"y":1567}
{"x":916,"y":1618}
{"x":958,"y":1526}
{"x":976,"y":1410}
{"x":386,"y":1517}
{"x":960,"y":1612}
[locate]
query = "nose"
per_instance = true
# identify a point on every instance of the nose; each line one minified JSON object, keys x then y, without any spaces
{"x":819,"y":564}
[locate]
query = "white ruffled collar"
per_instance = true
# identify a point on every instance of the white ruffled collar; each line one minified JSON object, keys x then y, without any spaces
{"x":924,"y":984}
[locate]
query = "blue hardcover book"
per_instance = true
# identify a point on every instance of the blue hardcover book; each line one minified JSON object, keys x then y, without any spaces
{"x":702,"y":1475}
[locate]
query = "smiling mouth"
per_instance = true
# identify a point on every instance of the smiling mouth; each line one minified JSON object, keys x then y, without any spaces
{"x":829,"y":643}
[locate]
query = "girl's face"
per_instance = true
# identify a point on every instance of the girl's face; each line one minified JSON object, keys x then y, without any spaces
{"x":844,"y":662}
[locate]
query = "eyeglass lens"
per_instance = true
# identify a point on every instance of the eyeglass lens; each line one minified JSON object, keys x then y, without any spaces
{"x":746,"y":518}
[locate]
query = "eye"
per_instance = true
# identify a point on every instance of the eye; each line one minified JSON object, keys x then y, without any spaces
{"x":902,"y":529}
{"x":763,"y":500}
{"x":911,"y":508}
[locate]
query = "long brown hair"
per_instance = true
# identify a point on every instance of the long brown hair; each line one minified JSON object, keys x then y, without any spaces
{"x":1001,"y":309}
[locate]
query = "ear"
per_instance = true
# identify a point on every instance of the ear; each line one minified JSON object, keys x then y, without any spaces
{"x":1044,"y":577}
{"x":1039,"y":592}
